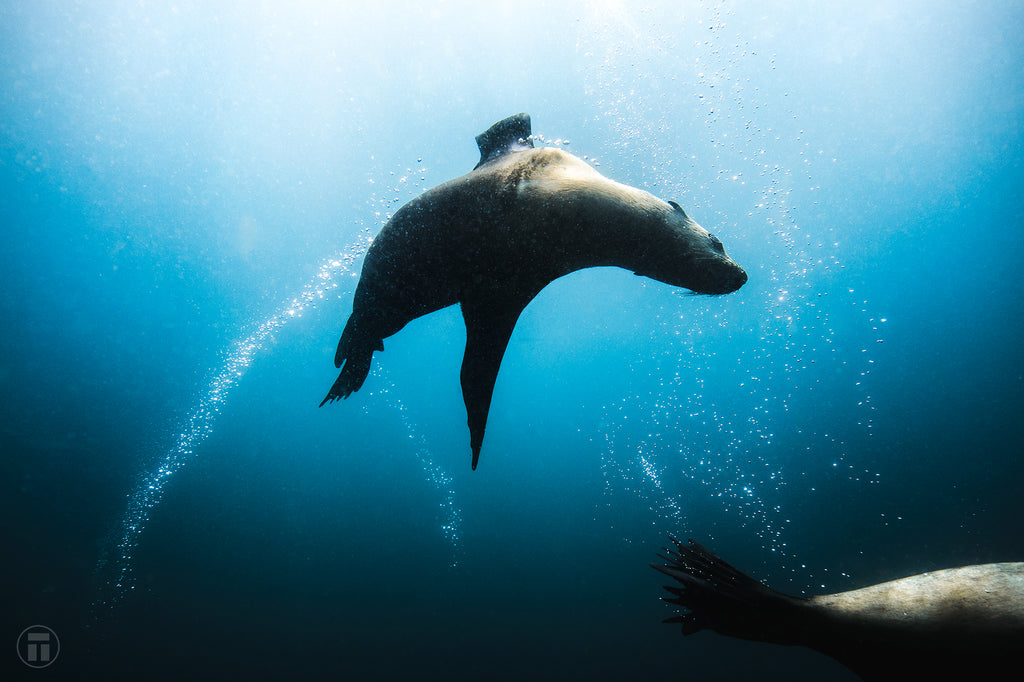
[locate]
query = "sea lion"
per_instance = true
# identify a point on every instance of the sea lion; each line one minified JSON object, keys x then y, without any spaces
{"x":957,"y":623}
{"x":493,"y":238}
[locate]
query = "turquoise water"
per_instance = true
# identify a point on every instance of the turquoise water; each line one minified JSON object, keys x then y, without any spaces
{"x":187,"y":193}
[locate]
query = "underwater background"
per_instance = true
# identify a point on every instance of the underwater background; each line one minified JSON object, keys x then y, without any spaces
{"x":186,"y":193}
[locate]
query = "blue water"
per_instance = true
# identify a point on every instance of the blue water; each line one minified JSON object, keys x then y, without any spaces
{"x":188,"y":190}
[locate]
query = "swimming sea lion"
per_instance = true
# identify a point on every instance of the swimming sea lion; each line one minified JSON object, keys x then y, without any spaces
{"x":493,"y":238}
{"x":957,"y":623}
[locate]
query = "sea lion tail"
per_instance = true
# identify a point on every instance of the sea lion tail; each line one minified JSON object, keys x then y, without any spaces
{"x":719,"y":597}
{"x":356,"y":355}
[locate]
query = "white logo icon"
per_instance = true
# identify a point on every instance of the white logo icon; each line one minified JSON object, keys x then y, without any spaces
{"x":38,"y":646}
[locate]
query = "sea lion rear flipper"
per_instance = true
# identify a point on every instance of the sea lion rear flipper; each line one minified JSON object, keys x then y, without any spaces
{"x":489,"y":324}
{"x":355,"y":352}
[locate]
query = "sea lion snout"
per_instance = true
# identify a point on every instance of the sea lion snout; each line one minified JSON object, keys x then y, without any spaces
{"x":733,"y":280}
{"x":721,"y":280}
{"x":718,"y":274}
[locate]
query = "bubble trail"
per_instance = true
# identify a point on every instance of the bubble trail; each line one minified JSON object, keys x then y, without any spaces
{"x":442,"y":482}
{"x":115,"y":568}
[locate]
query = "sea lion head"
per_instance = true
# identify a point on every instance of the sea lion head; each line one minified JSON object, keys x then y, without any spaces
{"x":689,"y":256}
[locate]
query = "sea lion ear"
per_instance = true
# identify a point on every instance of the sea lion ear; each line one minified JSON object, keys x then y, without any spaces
{"x":677,"y":207}
{"x":511,"y":134}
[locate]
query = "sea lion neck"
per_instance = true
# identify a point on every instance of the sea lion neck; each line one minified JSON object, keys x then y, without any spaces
{"x":592,"y":221}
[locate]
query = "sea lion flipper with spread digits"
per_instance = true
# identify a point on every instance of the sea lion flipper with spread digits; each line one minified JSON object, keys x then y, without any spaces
{"x":953,"y":624}
{"x":493,"y":238}
{"x":357,"y":358}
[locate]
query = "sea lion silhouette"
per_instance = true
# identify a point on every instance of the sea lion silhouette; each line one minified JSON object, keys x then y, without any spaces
{"x":493,"y":238}
{"x":957,"y":623}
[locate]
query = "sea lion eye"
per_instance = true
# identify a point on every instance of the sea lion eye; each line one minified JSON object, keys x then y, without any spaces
{"x":716,"y":243}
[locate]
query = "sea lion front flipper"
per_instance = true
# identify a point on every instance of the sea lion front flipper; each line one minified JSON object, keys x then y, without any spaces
{"x":489,"y":324}
{"x":714,"y":595}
